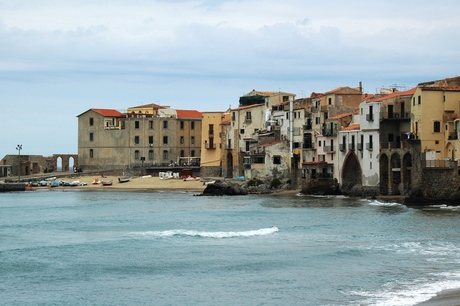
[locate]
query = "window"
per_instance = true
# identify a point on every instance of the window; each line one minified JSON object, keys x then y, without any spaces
{"x":165,"y":124}
{"x":150,"y":140}
{"x":390,"y":137}
{"x":91,"y":121}
{"x":165,"y":154}
{"x":241,"y":131}
{"x":151,"y":124}
{"x":182,"y":140}
{"x":211,"y":129}
{"x":329,"y":101}
{"x":91,"y":153}
{"x":136,"y":154}
{"x":233,"y":116}
{"x":419,"y":100}
{"x":91,"y":137}
{"x":277,"y":160}
{"x":192,"y":125}
{"x":192,"y":140}
{"x":317,"y":120}
{"x":136,"y":124}
{"x":136,"y":140}
{"x":192,"y":153}
{"x":436,"y":127}
{"x":165,"y":140}
{"x":182,"y":125}
{"x":248,"y":116}
{"x":151,"y":154}
{"x":182,"y":153}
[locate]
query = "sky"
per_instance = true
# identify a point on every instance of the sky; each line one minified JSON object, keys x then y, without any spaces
{"x":58,"y":59}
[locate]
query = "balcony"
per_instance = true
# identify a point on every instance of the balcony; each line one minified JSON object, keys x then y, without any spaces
{"x":328,"y":149}
{"x":342,"y":147}
{"x":210,"y":146}
{"x":307,"y":127}
{"x":439,"y":164}
{"x":394,"y":115}
{"x":369,"y":146}
{"x":453,"y":136}
{"x":370,"y":117}
{"x":360,"y":146}
{"x":308,"y":145}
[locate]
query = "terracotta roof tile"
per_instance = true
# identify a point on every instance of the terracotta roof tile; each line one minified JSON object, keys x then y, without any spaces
{"x":341,"y":116}
{"x":352,"y":127}
{"x":394,"y":95}
{"x":181,"y":113}
{"x":108,"y":112}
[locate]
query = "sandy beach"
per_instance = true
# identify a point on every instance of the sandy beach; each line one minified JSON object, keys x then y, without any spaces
{"x":449,"y":297}
{"x":136,"y":183}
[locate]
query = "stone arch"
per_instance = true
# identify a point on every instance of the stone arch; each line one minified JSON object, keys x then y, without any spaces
{"x":449,"y":151}
{"x":395,"y":173}
{"x":65,"y":161}
{"x":229,"y":165}
{"x":351,"y":172}
{"x":406,"y":171}
{"x":384,"y":174}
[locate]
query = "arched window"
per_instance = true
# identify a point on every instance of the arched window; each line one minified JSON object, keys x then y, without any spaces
{"x":136,"y":154}
{"x":91,"y":153}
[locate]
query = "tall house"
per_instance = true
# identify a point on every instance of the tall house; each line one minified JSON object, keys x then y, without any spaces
{"x":435,"y":109}
{"x":248,"y":121}
{"x":211,"y":145}
{"x":144,"y":136}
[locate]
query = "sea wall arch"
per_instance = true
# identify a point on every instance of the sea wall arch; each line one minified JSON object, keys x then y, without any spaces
{"x":66,"y":161}
{"x":351,"y":172}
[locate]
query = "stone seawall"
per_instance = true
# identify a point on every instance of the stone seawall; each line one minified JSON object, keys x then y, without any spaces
{"x":12,"y":187}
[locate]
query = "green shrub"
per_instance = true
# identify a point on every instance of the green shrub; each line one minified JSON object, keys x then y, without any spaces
{"x":275,"y":183}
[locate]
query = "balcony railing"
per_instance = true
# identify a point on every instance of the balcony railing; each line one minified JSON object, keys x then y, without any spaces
{"x":453,"y":136}
{"x":394,"y":115}
{"x":308,"y":145}
{"x":342,"y":147}
{"x":360,"y":146}
{"x":439,"y":164}
{"x":328,"y":149}
{"x":369,"y":146}
{"x":210,"y":145}
{"x":370,"y":117}
{"x":307,"y":127}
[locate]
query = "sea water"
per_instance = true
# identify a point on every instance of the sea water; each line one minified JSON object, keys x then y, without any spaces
{"x":68,"y":247}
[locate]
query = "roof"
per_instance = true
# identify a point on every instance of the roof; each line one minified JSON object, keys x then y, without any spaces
{"x":440,"y":88}
{"x":181,"y":113}
{"x":344,"y":90}
{"x":108,"y":112}
{"x":394,"y":95}
{"x":341,"y":116}
{"x":352,"y":127}
{"x":265,"y":93}
{"x":151,"y":105}
{"x":246,"y":106}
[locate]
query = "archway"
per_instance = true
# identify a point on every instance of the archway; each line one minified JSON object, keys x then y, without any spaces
{"x":229,"y":165}
{"x":59,"y":164}
{"x":449,"y":151}
{"x":351,"y":172}
{"x":396,"y":173}
{"x":407,"y":167}
{"x":384,"y":174}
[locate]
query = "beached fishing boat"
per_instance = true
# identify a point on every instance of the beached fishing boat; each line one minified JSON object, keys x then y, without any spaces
{"x":107,"y":183}
{"x":54,"y":183}
{"x":124,"y":179}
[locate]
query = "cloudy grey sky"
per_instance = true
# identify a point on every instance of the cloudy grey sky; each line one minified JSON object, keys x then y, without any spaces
{"x":61,"y":58}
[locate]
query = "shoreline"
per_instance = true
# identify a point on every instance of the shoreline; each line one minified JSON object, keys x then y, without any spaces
{"x":443,"y":298}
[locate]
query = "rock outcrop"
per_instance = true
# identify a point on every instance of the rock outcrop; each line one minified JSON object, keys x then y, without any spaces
{"x":219,"y":188}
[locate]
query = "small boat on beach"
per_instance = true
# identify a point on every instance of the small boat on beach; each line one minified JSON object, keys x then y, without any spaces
{"x":96,"y":181}
{"x":107,"y":183}
{"x":54,"y":183}
{"x":124,"y":179}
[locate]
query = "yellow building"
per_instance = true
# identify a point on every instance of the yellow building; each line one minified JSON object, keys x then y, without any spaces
{"x":435,"y":118}
{"x":211,"y":144}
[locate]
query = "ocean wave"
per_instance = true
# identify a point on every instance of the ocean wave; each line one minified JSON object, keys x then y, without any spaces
{"x":219,"y":235}
{"x":410,"y":293}
{"x":379,"y":203}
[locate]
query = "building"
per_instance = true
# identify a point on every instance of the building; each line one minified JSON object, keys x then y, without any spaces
{"x":145,"y":136}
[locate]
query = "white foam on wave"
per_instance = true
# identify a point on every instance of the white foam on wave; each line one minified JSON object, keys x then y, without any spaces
{"x":193,"y":233}
{"x":379,"y":203}
{"x":410,"y":293}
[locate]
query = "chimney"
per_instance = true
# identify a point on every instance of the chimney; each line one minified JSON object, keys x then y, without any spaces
{"x":360,"y":86}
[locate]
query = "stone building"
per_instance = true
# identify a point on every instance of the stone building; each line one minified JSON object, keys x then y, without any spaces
{"x":145,"y":136}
